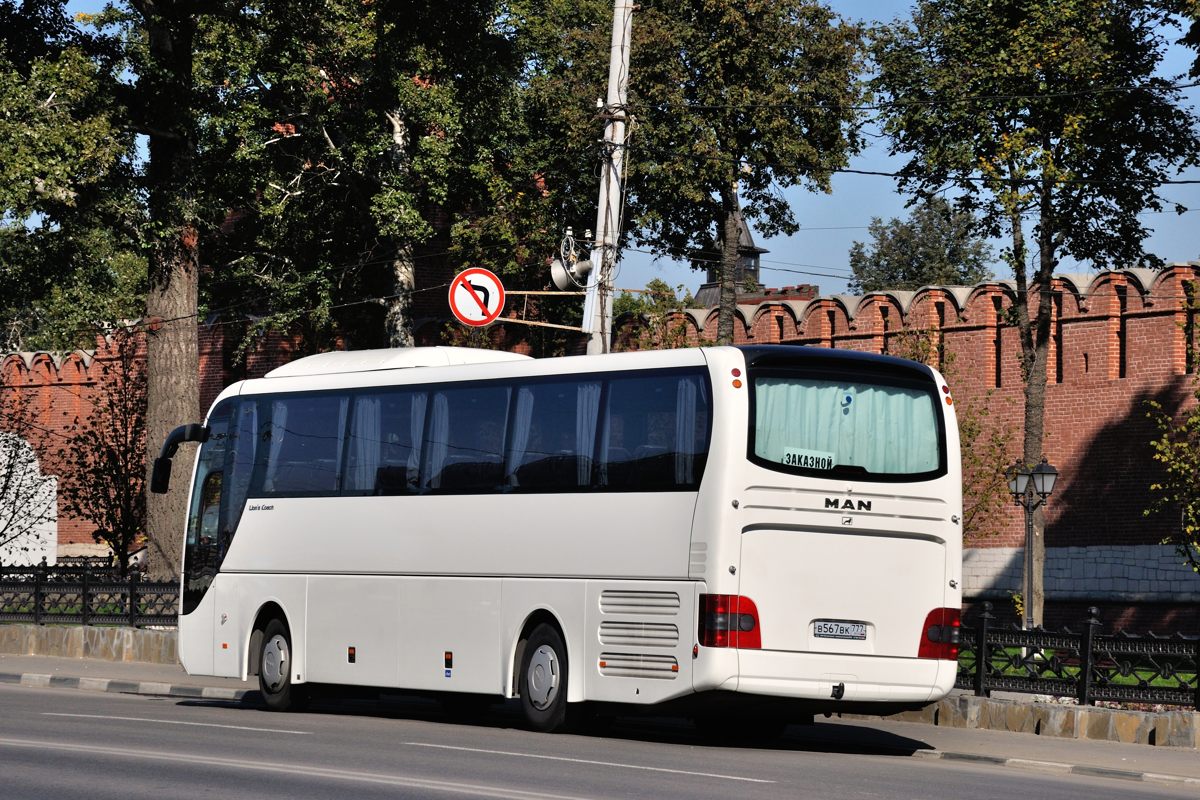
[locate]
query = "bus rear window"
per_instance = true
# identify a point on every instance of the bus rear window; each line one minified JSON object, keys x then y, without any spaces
{"x":859,"y":425}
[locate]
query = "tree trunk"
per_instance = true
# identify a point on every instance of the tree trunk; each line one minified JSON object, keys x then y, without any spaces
{"x":398,"y":320}
{"x":727,"y":305}
{"x":1035,"y":346}
{"x":172,"y":355}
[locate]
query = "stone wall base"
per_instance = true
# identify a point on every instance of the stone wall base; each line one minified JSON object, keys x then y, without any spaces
{"x":79,"y":641}
{"x":1161,"y":728}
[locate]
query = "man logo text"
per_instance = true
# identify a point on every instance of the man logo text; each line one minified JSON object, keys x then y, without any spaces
{"x":848,"y":505}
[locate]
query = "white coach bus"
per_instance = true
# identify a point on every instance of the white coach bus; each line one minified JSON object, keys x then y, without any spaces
{"x":764,"y":530}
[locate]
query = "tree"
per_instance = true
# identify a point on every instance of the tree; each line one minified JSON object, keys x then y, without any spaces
{"x":732,"y":102}
{"x":936,"y":246}
{"x":729,"y":102}
{"x":1042,"y":110}
{"x":65,"y":236}
{"x":396,"y":128}
{"x":106,"y":454}
{"x":1177,"y":451}
{"x":661,"y":325}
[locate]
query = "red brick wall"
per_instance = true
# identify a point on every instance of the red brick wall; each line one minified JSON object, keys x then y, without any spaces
{"x":1096,"y":427}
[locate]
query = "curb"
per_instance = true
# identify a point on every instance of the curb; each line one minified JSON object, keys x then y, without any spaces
{"x":41,"y":681}
{"x":1060,"y":768}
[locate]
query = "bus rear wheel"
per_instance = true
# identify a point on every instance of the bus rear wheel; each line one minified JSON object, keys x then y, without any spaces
{"x":275,"y":670}
{"x":542,"y":681}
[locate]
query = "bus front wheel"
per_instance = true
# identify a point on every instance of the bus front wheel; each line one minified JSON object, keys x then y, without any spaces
{"x":275,"y":670}
{"x":543,"y":679}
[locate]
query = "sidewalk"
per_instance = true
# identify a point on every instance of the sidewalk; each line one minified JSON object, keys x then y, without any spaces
{"x":1161,"y":765}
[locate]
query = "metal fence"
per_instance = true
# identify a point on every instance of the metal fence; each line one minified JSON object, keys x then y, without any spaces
{"x":86,"y":596}
{"x":1089,"y":666}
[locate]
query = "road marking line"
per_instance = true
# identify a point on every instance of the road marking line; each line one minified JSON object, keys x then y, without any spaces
{"x":176,"y":722}
{"x":587,"y":761}
{"x":292,"y":770}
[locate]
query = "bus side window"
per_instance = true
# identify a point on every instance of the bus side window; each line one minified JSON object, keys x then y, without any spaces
{"x":655,"y":433}
{"x":464,"y":451}
{"x":383,"y":452}
{"x":553,"y":435}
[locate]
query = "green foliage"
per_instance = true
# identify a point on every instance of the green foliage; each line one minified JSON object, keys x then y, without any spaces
{"x":1176,"y":449}
{"x":367,"y":141}
{"x":68,"y":215}
{"x":659,"y":325}
{"x":729,"y":103}
{"x":757,"y":94}
{"x":1039,"y":107}
{"x":937,"y":245}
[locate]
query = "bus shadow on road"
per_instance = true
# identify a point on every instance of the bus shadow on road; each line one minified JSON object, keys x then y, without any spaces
{"x":822,"y":736}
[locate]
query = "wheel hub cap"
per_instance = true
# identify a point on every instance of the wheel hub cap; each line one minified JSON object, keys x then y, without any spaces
{"x":275,"y":663}
{"x":542,"y":678}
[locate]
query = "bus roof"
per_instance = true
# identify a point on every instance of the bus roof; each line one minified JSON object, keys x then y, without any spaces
{"x":343,"y":361}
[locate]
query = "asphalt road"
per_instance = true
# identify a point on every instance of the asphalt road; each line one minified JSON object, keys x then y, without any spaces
{"x":61,"y":743}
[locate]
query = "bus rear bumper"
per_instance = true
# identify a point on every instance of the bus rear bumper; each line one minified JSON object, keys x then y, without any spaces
{"x":840,"y":679}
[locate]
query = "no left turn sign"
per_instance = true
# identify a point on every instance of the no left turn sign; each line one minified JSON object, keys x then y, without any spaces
{"x":476,"y":297}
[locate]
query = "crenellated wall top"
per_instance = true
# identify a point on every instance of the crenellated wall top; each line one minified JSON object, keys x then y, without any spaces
{"x":1142,"y":289}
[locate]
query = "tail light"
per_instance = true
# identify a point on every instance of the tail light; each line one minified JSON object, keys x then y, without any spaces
{"x":939,"y":635}
{"x":729,"y":620}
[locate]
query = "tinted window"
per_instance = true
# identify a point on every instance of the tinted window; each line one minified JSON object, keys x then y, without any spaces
{"x":383,"y":448}
{"x":553,"y":436}
{"x":464,"y":445}
{"x":302,"y":449}
{"x":655,"y":433}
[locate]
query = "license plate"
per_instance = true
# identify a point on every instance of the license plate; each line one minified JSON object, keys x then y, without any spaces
{"x":837,"y":629}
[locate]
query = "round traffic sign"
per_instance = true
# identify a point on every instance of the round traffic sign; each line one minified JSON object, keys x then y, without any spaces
{"x":476,"y":297}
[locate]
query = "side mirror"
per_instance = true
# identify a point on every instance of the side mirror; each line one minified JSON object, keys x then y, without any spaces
{"x":160,"y":477}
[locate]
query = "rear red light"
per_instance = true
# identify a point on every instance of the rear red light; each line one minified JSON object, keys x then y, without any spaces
{"x":939,"y":634}
{"x":729,"y":620}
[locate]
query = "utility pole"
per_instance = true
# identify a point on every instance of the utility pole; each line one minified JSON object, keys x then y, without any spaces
{"x":597,"y":307}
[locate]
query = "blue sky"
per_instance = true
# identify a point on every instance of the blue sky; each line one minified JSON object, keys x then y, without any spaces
{"x":818,"y":253}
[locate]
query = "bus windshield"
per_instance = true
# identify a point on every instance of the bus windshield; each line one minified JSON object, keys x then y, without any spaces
{"x":881,"y":427}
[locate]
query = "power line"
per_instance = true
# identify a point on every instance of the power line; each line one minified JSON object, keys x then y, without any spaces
{"x":903,"y":103}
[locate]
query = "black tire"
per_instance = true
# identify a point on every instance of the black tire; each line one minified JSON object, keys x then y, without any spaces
{"x":542,"y":681}
{"x":275,"y":671}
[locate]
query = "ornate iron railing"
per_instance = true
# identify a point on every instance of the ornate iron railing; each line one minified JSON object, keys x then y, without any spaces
{"x":74,"y":595}
{"x":1088,"y":665}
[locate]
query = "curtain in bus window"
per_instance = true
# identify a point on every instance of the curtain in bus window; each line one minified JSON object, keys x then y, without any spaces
{"x":883,"y":429}
{"x":437,"y":446}
{"x":653,"y":436}
{"x":416,"y":428}
{"x":278,"y":426}
{"x":587,"y":417}
{"x":366,"y":442}
{"x":522,"y":426}
{"x":472,"y":428}
{"x":685,"y":431}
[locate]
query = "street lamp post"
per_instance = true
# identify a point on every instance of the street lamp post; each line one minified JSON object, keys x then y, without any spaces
{"x":1030,"y":488}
